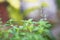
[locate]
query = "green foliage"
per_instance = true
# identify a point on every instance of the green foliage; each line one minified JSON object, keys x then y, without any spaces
{"x":15,"y":14}
{"x":28,"y":31}
{"x":58,"y":3}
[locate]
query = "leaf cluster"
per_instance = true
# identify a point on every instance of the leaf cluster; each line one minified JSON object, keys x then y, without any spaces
{"x":30,"y":30}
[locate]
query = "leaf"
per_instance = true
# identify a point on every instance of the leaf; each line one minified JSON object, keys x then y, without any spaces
{"x":14,"y":3}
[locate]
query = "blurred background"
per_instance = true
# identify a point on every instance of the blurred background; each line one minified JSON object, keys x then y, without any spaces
{"x":4,"y":13}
